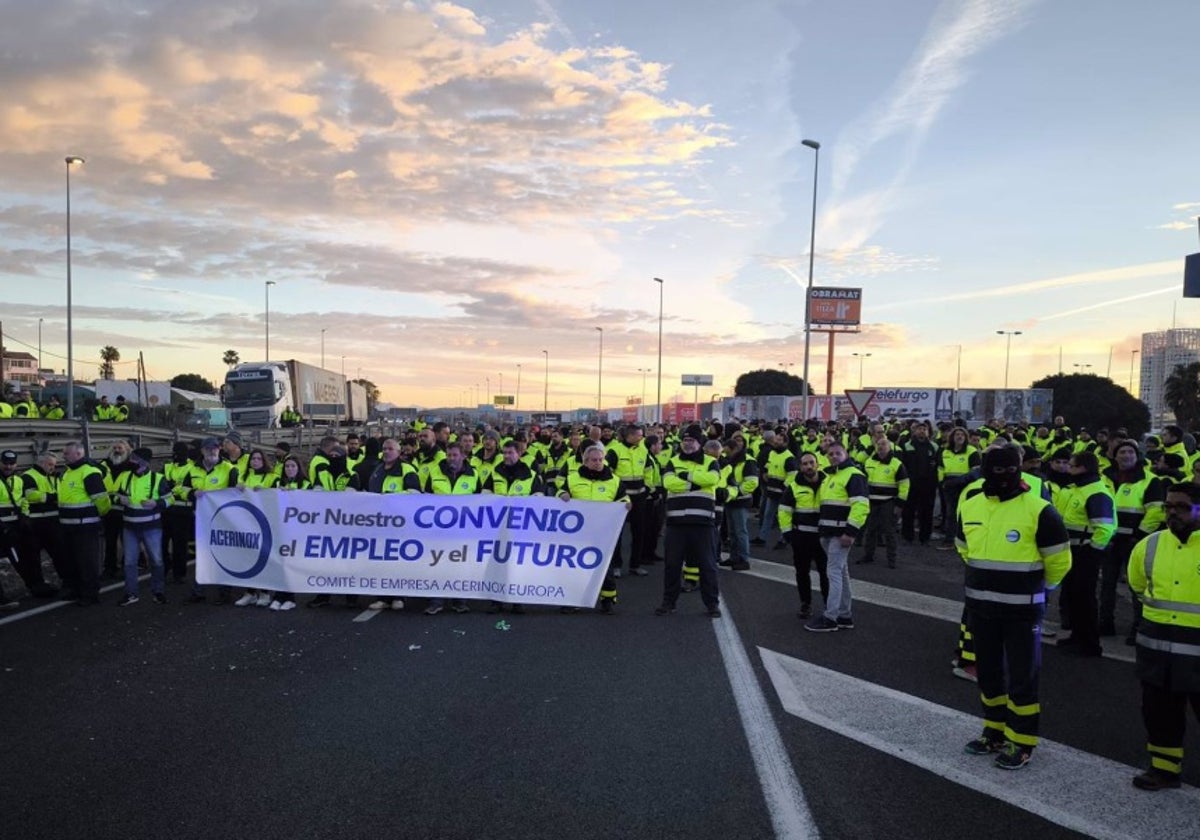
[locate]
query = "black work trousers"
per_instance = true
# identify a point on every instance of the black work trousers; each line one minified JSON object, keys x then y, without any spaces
{"x":1112,"y":566}
{"x":692,"y":544}
{"x":918,"y":510}
{"x":807,"y":554}
{"x":114,"y":560}
{"x":1164,"y":713}
{"x":81,"y":546}
{"x":1008,"y":661}
{"x":642,"y":537}
{"x":179,"y":528}
{"x":1080,"y":595}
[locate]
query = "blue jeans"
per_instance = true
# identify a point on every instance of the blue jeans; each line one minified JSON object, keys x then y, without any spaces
{"x":738,"y":519}
{"x":770,"y":514}
{"x":151,"y":540}
{"x":837,"y":605}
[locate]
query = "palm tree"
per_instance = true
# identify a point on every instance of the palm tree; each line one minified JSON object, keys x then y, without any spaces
{"x":109,"y":356}
{"x":231,"y":358}
{"x":1181,"y":392}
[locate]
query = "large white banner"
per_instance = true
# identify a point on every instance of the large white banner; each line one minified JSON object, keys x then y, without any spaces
{"x":529,"y":550}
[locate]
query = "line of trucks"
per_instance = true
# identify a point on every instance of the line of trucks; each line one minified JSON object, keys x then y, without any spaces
{"x":258,"y":393}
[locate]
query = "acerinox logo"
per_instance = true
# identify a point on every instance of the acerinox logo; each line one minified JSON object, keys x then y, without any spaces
{"x":239,"y":538}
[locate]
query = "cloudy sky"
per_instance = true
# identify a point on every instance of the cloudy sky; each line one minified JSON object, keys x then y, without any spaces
{"x":448,"y":189}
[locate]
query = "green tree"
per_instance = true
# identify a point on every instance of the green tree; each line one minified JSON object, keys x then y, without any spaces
{"x":193,"y":382}
{"x":372,"y":393}
{"x":770,"y":382}
{"x":1181,"y":393}
{"x":1085,"y":399}
{"x":231,"y":358}
{"x":109,"y":356}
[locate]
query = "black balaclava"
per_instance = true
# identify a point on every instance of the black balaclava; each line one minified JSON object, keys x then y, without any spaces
{"x":1002,"y":471}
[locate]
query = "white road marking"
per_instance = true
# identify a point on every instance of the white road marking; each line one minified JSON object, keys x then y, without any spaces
{"x":1069,"y":787}
{"x":367,"y":615}
{"x":56,"y":605}
{"x":905,"y":600}
{"x":781,"y":789}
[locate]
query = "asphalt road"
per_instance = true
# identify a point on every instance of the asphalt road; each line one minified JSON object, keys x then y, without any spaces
{"x":188,"y":721}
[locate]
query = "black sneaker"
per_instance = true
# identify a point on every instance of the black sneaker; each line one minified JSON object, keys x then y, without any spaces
{"x":821,"y":624}
{"x":726,"y":563}
{"x":1013,"y":757}
{"x":757,"y":542}
{"x":196,"y":598}
{"x":1155,"y":779}
{"x":606,"y":606}
{"x":160,"y":598}
{"x":740,"y":566}
{"x":983,"y":745}
{"x":319,"y":601}
{"x":845,"y":623}
{"x":688,"y":586}
{"x":805,"y":611}
{"x":713,"y":612}
{"x":780,"y":546}
{"x":664,"y":609}
{"x":128,"y":600}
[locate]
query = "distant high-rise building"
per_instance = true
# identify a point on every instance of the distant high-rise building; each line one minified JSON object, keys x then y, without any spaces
{"x":1161,"y":352}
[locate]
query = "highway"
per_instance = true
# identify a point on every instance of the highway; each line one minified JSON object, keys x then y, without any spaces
{"x":189,"y":721}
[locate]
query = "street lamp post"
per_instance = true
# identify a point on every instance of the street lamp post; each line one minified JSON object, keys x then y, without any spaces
{"x":862,"y":357}
{"x":267,"y":319}
{"x":1132,"y":358}
{"x":812,"y":244}
{"x":546,"y":385}
{"x":661,"y":284}
{"x":517,"y":407}
{"x":322,"y":349}
{"x":600,"y":373}
{"x":40,"y":349}
{"x":642,"y":408}
{"x":71,"y":160}
{"x":1007,"y":351}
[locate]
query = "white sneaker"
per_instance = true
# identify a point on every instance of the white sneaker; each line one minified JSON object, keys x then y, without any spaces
{"x":264,"y":600}
{"x":246,"y":600}
{"x":377,"y":605}
{"x":398,"y":604}
{"x":276,"y":606}
{"x":287,"y":605}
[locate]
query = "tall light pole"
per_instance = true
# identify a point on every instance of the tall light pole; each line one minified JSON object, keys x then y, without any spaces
{"x":862,"y":357}
{"x":71,"y":161}
{"x":322,"y":349}
{"x":1007,"y":351}
{"x":1132,"y":358}
{"x":517,"y":407}
{"x":658,"y":399}
{"x":812,"y":245}
{"x":40,"y":349}
{"x":600,"y":373}
{"x":546,"y":385}
{"x":267,"y":318}
{"x":643,"y":372}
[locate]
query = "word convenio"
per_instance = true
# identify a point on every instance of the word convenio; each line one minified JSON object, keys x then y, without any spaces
{"x":447,"y":517}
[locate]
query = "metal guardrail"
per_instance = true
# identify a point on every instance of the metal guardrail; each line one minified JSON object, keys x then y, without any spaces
{"x":29,"y":438}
